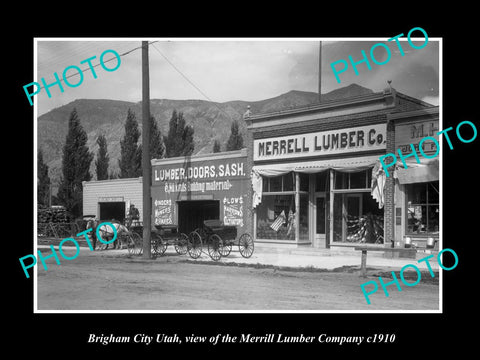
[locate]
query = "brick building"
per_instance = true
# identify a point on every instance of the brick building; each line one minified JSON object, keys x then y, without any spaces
{"x":316,"y":178}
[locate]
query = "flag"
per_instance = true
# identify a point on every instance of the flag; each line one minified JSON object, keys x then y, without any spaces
{"x":291,"y":222}
{"x":278,"y":221}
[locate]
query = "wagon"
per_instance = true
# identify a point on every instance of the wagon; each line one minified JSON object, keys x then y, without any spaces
{"x":169,"y":235}
{"x":161,"y":237}
{"x":219,"y":239}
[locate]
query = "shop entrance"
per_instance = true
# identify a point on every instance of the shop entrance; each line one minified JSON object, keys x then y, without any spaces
{"x":112,"y":211}
{"x":192,"y":213}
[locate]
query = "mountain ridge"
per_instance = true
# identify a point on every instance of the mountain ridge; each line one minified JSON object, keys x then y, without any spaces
{"x":211,"y":121}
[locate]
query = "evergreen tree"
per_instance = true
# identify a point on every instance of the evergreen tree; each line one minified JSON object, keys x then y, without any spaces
{"x":130,"y":161}
{"x":187,"y":141}
{"x":157,"y":146}
{"x":43,"y":180}
{"x":101,"y":164}
{"x":216,"y":146}
{"x":179,"y":141}
{"x":75,"y":166}
{"x":235,"y":141}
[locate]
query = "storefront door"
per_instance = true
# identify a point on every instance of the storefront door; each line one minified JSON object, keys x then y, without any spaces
{"x":320,"y":221}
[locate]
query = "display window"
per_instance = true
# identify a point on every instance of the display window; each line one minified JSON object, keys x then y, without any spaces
{"x":277,"y":211}
{"x":423,"y":210}
{"x":356,"y":216}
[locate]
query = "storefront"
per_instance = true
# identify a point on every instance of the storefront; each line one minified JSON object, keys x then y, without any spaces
{"x":315,"y":176}
{"x":188,"y":190}
{"x":417,"y":186}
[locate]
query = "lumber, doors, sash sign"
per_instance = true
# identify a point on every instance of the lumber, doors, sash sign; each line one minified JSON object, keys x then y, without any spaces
{"x":323,"y":143}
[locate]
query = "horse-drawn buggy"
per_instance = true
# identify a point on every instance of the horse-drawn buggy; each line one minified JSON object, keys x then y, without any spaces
{"x":219,"y":239}
{"x":160,"y":237}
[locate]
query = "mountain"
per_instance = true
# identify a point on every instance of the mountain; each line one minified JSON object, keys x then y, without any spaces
{"x":210,"y":120}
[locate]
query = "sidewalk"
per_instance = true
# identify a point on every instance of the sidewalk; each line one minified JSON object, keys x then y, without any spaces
{"x":295,"y":258}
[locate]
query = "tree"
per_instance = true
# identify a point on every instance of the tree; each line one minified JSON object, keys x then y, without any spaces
{"x":216,"y":146}
{"x":235,"y":141}
{"x":130,"y":161}
{"x":157,"y":146}
{"x":179,"y":141}
{"x":101,"y":164}
{"x":43,"y":180}
{"x":75,"y":166}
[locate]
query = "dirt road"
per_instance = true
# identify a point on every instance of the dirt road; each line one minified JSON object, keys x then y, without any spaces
{"x":102,"y":281}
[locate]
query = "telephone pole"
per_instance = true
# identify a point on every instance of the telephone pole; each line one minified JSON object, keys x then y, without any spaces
{"x":147,"y":202}
{"x":320,"y":72}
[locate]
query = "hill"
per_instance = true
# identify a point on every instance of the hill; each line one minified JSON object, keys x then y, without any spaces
{"x":210,"y":121}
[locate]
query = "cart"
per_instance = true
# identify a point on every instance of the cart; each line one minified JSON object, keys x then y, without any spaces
{"x":160,"y":237}
{"x":219,"y":239}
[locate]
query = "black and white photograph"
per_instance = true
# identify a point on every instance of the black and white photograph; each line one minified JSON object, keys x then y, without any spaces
{"x":258,"y":196}
{"x":223,"y":193}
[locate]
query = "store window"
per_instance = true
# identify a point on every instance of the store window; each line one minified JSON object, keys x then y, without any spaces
{"x":353,"y":180}
{"x":423,"y":210}
{"x":276,"y":212}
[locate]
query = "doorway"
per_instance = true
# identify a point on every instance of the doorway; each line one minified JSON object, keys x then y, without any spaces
{"x":192,"y":213}
{"x":112,"y":211}
{"x":321,"y":221}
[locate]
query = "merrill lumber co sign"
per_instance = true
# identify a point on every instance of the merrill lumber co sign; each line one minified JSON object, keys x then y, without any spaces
{"x":323,"y":143}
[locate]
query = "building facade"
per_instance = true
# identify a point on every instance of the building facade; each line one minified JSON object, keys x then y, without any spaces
{"x":111,"y":199}
{"x":417,"y":183}
{"x":316,"y":177}
{"x":188,"y":190}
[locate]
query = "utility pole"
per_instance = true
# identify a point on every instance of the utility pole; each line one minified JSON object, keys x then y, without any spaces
{"x":320,"y":72}
{"x":147,"y":202}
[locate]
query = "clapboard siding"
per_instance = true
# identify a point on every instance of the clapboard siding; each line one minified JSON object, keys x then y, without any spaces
{"x":129,"y":189}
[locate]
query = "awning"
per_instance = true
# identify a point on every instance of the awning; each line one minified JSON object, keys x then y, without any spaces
{"x":427,"y":170}
{"x":308,"y":167}
{"x":345,"y":165}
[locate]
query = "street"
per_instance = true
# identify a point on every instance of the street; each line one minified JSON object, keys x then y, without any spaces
{"x":111,"y":281}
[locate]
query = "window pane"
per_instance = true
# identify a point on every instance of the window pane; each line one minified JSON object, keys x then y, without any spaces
{"x":321,"y":181}
{"x":288,"y":182}
{"x":433,"y":213}
{"x":416,"y":219}
{"x":265,"y":182}
{"x":433,"y":196}
{"x":341,"y":180}
{"x":304,"y":217}
{"x":320,"y":204}
{"x":417,"y":193}
{"x":276,"y":184}
{"x":273,"y":217}
{"x":304,"y":182}
{"x":358,"y":180}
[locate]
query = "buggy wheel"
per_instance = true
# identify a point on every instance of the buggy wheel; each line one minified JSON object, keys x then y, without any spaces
{"x":245,"y":245}
{"x":194,"y":247}
{"x":159,"y":246}
{"x":226,"y":248}
{"x":215,"y":246}
{"x":181,"y":245}
{"x":202,"y":233}
{"x":130,"y":244}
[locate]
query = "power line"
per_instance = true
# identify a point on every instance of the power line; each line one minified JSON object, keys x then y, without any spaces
{"x":191,"y":82}
{"x":105,"y":61}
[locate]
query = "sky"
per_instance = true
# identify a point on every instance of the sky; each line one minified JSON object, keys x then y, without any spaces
{"x":222,"y":70}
